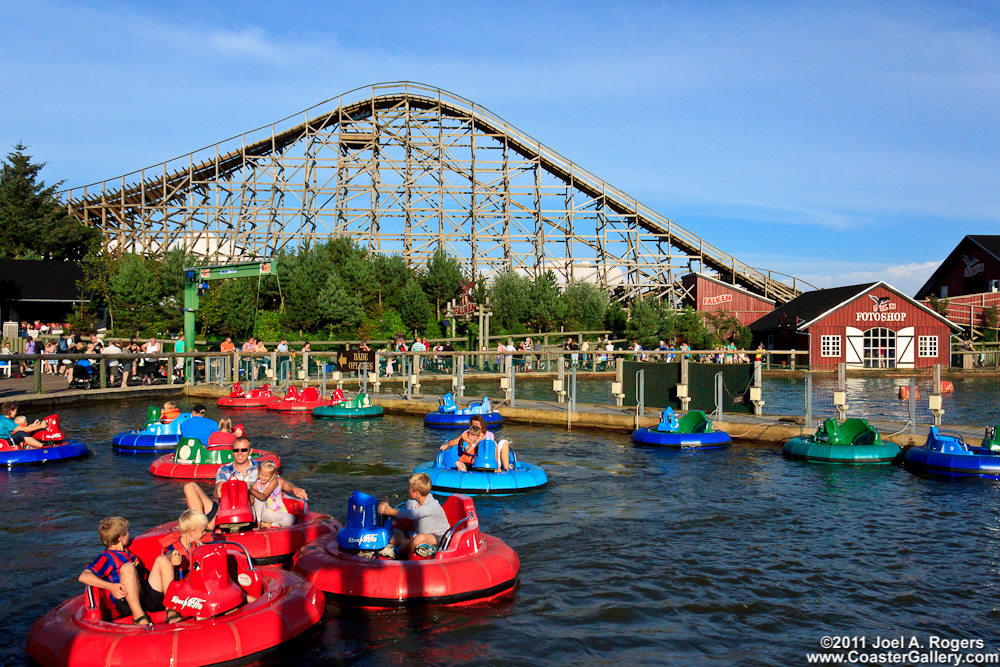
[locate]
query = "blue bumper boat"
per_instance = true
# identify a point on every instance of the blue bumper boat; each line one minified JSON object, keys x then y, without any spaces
{"x":482,"y":479}
{"x":11,"y":455}
{"x":692,"y":431}
{"x":947,"y":454}
{"x":155,"y":437}
{"x":449,"y":415}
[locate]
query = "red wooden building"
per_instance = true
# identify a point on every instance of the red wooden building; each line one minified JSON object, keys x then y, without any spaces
{"x":711,"y":295}
{"x":968,"y":281}
{"x":866,"y":326}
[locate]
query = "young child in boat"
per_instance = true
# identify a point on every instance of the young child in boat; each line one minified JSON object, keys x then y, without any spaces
{"x":429,"y":520}
{"x":170,"y":412}
{"x":268,"y":504}
{"x":191,"y":527}
{"x":121,"y":573}
{"x":17,"y":429}
{"x":469,"y":441}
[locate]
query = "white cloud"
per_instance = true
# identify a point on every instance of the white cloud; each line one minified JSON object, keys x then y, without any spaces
{"x":907,"y":278}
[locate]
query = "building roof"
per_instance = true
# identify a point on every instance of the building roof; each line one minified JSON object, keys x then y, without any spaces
{"x":40,"y":280}
{"x":804,"y":310}
{"x":730,"y":286}
{"x":989,"y":244}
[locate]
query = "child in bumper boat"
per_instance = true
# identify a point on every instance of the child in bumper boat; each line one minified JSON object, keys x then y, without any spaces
{"x":122,"y":574}
{"x":17,"y":429}
{"x":191,"y":527}
{"x":468,"y":444}
{"x":428,"y":517}
{"x":268,"y":506}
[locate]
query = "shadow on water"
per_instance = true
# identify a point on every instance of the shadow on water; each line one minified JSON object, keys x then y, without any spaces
{"x":733,"y":556}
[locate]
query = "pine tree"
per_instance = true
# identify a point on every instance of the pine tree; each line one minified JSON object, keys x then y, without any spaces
{"x":33,"y":223}
{"x":443,"y":276}
{"x":339,"y":307}
{"x":413,"y":306}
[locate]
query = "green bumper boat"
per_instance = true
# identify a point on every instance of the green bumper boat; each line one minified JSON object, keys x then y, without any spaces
{"x":359,"y":407}
{"x":855,"y":442}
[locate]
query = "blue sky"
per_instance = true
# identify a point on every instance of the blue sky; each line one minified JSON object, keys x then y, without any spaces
{"x":839,"y":142}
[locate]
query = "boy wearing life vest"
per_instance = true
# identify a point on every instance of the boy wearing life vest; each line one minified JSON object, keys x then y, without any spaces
{"x":121,"y":573}
{"x":430,"y":523}
{"x":170,"y":412}
{"x":191,"y":527}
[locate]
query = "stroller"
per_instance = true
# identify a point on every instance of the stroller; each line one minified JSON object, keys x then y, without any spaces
{"x":83,"y":376}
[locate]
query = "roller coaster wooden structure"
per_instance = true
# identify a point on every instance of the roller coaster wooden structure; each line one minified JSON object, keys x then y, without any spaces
{"x":404,"y":168}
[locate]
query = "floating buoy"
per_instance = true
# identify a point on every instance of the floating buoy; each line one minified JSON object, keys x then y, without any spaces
{"x":947,"y":387}
{"x":904,"y":392}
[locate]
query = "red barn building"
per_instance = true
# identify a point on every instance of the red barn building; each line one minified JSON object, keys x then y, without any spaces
{"x":866,"y":326}
{"x":969,"y":278}
{"x":710,"y":295}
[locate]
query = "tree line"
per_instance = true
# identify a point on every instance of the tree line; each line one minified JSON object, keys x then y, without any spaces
{"x":331,"y":290}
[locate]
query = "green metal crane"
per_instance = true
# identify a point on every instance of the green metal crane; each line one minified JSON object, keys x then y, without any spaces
{"x":195,"y":281}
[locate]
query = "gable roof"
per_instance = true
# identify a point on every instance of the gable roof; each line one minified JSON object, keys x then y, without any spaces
{"x":40,"y":280}
{"x":806,"y":309}
{"x":990,"y":245}
{"x":730,"y":286}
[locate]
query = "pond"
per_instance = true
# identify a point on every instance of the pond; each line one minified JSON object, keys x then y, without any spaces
{"x":630,"y":555}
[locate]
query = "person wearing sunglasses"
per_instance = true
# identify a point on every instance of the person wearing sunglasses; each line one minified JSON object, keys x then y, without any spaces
{"x":242,"y":468}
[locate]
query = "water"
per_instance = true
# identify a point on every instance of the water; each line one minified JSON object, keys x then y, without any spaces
{"x":630,"y":555}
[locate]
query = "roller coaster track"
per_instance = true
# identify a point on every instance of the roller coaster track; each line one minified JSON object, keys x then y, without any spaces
{"x":406,"y":168}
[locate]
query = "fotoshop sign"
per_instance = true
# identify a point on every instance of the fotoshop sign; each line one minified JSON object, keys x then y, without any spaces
{"x":883,"y":310}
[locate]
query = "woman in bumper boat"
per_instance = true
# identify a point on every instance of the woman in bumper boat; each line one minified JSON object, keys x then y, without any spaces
{"x":468,"y":444}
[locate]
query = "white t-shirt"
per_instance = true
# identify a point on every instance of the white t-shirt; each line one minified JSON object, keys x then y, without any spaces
{"x":112,"y":349}
{"x":418,"y":347}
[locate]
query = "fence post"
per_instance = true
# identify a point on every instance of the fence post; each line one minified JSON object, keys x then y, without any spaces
{"x":912,"y":404}
{"x":459,"y":362}
{"x":561,"y":392}
{"x":640,"y":394}
{"x":377,"y":382}
{"x":36,"y":376}
{"x":512,"y":375}
{"x":682,"y":388}
{"x":572,"y":396}
{"x":809,"y":400}
{"x":618,"y":386}
{"x":757,"y":389}
{"x":718,"y":396}
{"x":840,"y":395}
{"x":934,"y":400}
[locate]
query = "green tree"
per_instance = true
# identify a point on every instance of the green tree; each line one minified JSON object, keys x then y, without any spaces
{"x":382,"y":325}
{"x":548,"y":310}
{"x":511,"y":300}
{"x":302,"y":277}
{"x":170,"y":280}
{"x":226,"y":308}
{"x":615,"y":318}
{"x":586,"y":306}
{"x":357,"y":273}
{"x":135,"y":294}
{"x":645,"y":323}
{"x":414,"y":308}
{"x":441,"y":281}
{"x":391,"y":274}
{"x":339,"y":307}
{"x":691,"y":329}
{"x":33,"y":222}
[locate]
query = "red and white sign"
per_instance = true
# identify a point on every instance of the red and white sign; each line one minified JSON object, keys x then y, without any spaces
{"x":972,"y":266}
{"x":716,"y":300}
{"x":881,"y":311}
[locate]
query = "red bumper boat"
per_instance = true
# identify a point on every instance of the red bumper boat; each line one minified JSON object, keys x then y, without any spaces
{"x":294,"y":401}
{"x":224,"y":621}
{"x":468,"y":567}
{"x":234,"y":522}
{"x":192,"y":460}
{"x":255,"y":399}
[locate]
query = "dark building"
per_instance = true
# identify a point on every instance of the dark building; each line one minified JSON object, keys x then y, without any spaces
{"x":45,"y":289}
{"x":866,"y":326}
{"x":711,"y":295}
{"x":973,"y":267}
{"x":967,"y":282}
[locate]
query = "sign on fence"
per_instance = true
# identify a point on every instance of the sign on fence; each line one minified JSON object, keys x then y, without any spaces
{"x":356,"y":360}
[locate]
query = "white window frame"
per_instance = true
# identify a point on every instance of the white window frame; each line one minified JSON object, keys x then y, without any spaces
{"x":826,"y":345}
{"x":924,"y":344}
